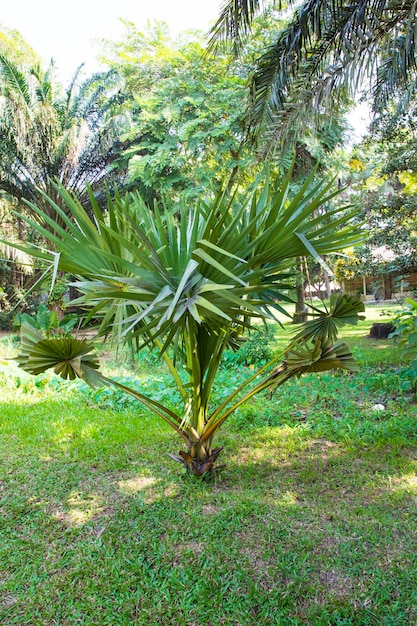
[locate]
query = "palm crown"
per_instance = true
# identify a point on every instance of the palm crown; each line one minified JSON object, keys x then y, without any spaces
{"x":49,"y":134}
{"x":189,"y":280}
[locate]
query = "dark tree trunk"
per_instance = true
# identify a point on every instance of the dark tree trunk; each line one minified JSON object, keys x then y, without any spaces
{"x":300,"y":315}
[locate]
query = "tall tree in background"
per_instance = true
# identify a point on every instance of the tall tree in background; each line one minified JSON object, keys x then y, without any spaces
{"x":14,"y":268}
{"x":186,"y":111}
{"x":383,"y":182}
{"x":14,"y":46}
{"x":48,"y":134}
{"x":328,"y":49}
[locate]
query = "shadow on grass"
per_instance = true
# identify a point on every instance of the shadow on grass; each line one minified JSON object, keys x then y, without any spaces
{"x":98,"y":526}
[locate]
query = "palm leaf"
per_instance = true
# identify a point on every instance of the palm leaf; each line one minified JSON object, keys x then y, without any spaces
{"x":325,"y":52}
{"x":318,"y":356}
{"x":69,"y":357}
{"x":344,"y":309}
{"x":15,"y":82}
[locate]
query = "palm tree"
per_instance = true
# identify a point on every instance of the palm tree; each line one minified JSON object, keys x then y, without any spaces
{"x":328,"y":50}
{"x":189,"y":281}
{"x":47,"y":134}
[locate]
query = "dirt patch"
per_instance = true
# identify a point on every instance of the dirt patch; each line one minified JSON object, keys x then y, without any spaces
{"x":181,"y":549}
{"x":210,"y":509}
{"x":336,"y":583}
{"x":7,"y":600}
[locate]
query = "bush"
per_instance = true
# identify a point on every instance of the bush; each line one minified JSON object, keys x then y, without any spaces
{"x":256,"y":350}
{"x":6,"y":320}
{"x":46,"y":321}
{"x":405,"y":323}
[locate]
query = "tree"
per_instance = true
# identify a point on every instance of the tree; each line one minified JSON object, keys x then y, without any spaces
{"x":14,"y":46}
{"x":16,"y":268}
{"x":329,"y":48}
{"x":187,"y":113}
{"x":381,"y":176}
{"x":186,"y":110}
{"x":47,"y":134}
{"x":189,"y":280}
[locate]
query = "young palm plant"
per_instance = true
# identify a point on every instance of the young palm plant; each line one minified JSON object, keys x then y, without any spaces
{"x":189,"y":281}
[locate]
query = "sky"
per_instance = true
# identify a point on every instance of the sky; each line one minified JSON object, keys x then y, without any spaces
{"x":67,"y":31}
{"x":71,"y":34}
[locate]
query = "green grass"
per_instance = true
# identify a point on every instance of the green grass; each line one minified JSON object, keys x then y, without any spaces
{"x":312,"y":522}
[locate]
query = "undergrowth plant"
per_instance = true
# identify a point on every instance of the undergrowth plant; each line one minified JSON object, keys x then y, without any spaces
{"x":47,"y":321}
{"x":256,"y":350}
{"x":189,"y":281}
{"x":405,"y":332}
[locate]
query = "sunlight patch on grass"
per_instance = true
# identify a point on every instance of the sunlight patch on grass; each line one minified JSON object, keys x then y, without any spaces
{"x":288,"y":499}
{"x":407,"y":483}
{"x":46,"y":458}
{"x":89,"y":431}
{"x":78,"y":509}
{"x":133,"y":485}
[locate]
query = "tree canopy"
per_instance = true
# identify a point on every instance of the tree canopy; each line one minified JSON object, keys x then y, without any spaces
{"x":186,"y":112}
{"x":328,"y":50}
{"x":48,"y":133}
{"x":382,"y":178}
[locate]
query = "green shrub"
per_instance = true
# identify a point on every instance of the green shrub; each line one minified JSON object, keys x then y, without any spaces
{"x":46,"y":321}
{"x":256,"y":350}
{"x":406,"y":332}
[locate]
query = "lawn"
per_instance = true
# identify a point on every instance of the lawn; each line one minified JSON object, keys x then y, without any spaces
{"x":313,"y":521}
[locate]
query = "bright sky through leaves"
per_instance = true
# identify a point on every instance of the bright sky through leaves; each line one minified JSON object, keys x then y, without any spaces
{"x":67,"y":31}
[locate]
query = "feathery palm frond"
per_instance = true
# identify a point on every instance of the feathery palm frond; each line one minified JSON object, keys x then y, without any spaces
{"x":48,"y":134}
{"x":14,"y":82}
{"x":330,"y":48}
{"x":235,"y":21}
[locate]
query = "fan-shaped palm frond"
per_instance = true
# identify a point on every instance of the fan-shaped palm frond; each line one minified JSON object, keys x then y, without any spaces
{"x":69,"y":357}
{"x":319,"y":356}
{"x":344,"y":309}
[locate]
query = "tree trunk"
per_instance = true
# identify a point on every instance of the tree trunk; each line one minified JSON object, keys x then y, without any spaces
{"x":300,"y":315}
{"x":327,"y":283}
{"x":199,"y":460}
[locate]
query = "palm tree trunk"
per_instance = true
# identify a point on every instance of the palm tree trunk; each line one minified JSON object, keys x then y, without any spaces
{"x":200,"y":458}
